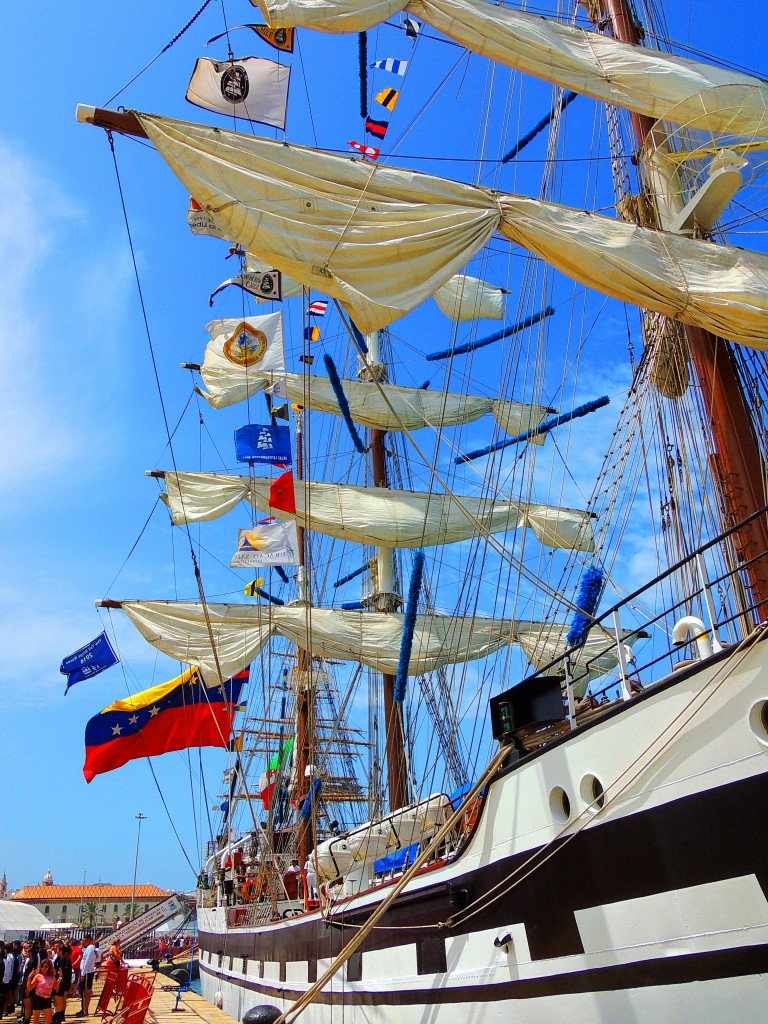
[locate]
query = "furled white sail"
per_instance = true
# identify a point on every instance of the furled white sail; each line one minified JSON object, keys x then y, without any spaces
{"x":180,"y":629}
{"x":648,"y":81}
{"x":374,"y":638}
{"x":469,"y":298}
{"x":382,"y":239}
{"x":380,"y":406}
{"x":376,"y":515}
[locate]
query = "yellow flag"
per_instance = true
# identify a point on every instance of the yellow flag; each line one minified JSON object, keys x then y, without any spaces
{"x":280,"y":38}
{"x":250,"y":588}
{"x":388,"y":98}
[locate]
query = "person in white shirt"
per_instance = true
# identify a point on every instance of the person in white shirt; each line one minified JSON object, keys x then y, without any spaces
{"x":8,"y":967}
{"x":311,"y":874}
{"x":87,"y":972}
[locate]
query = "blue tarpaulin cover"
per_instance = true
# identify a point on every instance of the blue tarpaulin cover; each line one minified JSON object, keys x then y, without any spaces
{"x":458,"y":794}
{"x":399,"y":859}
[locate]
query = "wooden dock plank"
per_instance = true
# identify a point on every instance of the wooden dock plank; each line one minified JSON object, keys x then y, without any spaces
{"x":196,"y":1010}
{"x":191,"y":1004}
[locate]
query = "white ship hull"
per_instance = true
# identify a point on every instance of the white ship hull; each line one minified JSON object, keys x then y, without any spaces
{"x":652,"y":908}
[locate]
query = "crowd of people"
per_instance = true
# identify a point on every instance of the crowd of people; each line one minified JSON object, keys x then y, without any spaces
{"x":38,"y":977}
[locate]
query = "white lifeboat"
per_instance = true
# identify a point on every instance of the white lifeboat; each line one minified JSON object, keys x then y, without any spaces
{"x":365,"y":844}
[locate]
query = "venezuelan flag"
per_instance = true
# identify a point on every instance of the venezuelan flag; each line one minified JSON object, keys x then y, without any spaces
{"x":181,"y":713}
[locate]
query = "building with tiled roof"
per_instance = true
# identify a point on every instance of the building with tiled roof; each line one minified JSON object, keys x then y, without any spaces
{"x":98,"y":904}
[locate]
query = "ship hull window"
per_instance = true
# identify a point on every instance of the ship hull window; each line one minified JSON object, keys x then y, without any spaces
{"x":355,"y":967}
{"x":430,"y":955}
{"x":560,"y":805}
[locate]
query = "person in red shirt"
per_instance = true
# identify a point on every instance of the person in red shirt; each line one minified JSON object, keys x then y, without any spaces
{"x":75,"y":957}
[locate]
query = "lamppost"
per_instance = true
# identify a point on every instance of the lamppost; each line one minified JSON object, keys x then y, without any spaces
{"x":139,"y":817}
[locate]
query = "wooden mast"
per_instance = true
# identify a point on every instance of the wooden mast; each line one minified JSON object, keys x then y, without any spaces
{"x":738,"y":464}
{"x":304,"y":680}
{"x":387,"y":601}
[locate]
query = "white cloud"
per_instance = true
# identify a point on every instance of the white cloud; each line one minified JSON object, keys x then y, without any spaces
{"x":58,"y":285}
{"x":49,"y":286}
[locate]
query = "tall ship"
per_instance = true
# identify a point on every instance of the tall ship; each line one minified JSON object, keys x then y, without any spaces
{"x":498,"y":509}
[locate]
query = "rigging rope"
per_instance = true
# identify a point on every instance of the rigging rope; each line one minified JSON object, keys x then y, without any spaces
{"x":306,"y":998}
{"x":483,"y":531}
{"x":167,"y":47}
{"x":169,"y":437}
{"x":678,"y":723}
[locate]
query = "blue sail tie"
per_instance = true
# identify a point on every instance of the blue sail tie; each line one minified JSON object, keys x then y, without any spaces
{"x":341,"y":398}
{"x":350,"y":576}
{"x":362,"y":56}
{"x":312,"y":796}
{"x":358,"y":338}
{"x":471,"y":346}
{"x":543,"y":428}
{"x":566,"y":98}
{"x":588,"y":598}
{"x":409,"y":624}
{"x":254,"y":591}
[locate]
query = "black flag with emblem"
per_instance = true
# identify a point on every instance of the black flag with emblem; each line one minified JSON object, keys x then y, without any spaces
{"x":263,"y":284}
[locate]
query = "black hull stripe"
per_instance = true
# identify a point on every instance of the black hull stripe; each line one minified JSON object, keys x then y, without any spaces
{"x":677,"y":970}
{"x":701,"y":839}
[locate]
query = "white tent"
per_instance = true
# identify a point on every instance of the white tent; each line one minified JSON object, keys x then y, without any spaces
{"x":17,"y":920}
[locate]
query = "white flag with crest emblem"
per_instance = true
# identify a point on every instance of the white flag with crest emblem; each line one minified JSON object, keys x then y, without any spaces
{"x":250,"y":87}
{"x":240,"y":357}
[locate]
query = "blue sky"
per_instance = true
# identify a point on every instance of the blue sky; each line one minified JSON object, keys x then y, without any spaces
{"x":80,"y":413}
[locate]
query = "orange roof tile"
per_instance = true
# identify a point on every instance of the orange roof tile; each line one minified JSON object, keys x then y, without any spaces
{"x":100,"y":891}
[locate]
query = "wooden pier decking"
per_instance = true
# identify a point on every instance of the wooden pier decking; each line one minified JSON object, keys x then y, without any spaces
{"x":192,"y":1008}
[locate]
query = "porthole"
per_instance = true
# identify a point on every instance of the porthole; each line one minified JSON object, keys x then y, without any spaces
{"x":592,"y":793}
{"x":560,"y":805}
{"x":758,"y":721}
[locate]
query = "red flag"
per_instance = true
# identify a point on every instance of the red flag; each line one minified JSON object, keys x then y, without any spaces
{"x":370,"y":151}
{"x":281,"y":493}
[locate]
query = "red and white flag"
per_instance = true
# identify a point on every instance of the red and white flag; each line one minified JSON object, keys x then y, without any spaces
{"x":318,"y":307}
{"x":370,"y":151}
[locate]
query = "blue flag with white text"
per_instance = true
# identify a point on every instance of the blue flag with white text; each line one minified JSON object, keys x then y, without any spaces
{"x":260,"y":442}
{"x":95,"y":657}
